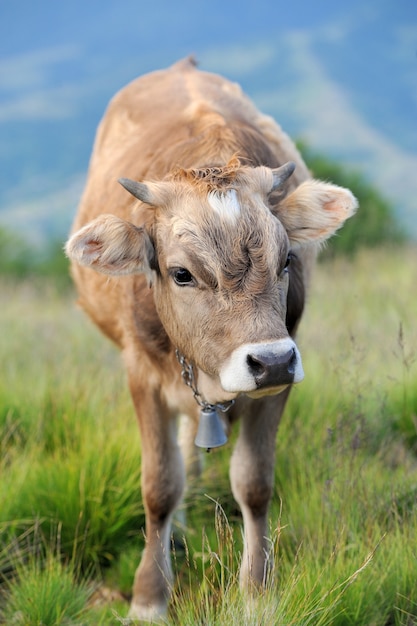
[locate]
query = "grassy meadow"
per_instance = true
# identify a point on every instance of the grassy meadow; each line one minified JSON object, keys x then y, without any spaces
{"x":344,"y":516}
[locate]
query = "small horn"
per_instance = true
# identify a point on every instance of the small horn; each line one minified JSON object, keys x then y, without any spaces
{"x":281,"y":174}
{"x":138,"y":190}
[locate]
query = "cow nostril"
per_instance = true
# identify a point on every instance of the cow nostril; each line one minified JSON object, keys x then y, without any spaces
{"x":292,"y":362}
{"x":256,"y":367}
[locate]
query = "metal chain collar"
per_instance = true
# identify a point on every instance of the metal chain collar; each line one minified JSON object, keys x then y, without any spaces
{"x":188,"y":376}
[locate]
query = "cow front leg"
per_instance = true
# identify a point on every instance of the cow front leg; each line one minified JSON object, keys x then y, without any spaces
{"x":162,"y":487}
{"x":252,"y":478}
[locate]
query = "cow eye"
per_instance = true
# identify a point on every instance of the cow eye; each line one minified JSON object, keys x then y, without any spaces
{"x":182,"y":276}
{"x":287,"y":263}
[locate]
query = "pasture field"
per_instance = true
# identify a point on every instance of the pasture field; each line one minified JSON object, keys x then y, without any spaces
{"x":344,"y":516}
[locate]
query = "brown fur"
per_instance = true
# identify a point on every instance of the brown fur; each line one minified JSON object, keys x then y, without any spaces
{"x":189,"y":134}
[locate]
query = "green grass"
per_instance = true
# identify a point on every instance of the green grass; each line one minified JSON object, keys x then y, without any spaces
{"x":45,"y":591}
{"x":343,"y":519}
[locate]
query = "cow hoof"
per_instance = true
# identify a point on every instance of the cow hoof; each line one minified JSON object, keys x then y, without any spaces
{"x":154,"y":614}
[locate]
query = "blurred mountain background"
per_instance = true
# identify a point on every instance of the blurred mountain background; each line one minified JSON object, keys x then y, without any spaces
{"x":341,"y":77}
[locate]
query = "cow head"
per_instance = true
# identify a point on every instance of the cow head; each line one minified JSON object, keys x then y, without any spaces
{"x":218,"y":254}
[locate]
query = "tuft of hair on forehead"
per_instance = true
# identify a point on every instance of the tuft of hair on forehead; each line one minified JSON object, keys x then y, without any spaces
{"x":214,"y":178}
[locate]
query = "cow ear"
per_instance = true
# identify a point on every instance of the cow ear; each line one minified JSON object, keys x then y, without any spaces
{"x":112,"y":246}
{"x":315,"y":211}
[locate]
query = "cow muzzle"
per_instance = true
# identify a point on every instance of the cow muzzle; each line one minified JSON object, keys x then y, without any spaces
{"x":262,"y":367}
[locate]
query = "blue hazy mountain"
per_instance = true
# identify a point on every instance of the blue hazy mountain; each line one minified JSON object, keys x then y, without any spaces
{"x":341,"y":76}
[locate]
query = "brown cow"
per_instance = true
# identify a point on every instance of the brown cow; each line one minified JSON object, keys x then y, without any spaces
{"x":210,"y":266}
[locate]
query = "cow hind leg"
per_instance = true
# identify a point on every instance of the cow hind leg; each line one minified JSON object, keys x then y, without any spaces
{"x":163,"y":480}
{"x":187,"y":429}
{"x":252,"y":475}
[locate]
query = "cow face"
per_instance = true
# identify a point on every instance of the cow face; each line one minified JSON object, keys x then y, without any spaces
{"x":219,"y":258}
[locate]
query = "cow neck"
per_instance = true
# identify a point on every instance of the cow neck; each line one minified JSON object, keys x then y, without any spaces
{"x":210,"y":432}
